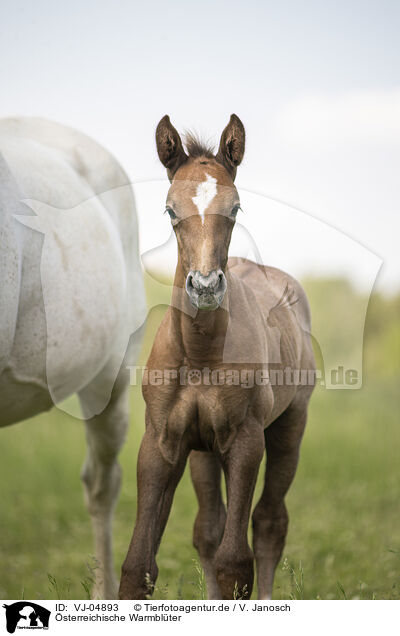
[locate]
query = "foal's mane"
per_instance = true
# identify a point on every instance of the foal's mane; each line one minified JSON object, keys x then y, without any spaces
{"x":197,"y":147}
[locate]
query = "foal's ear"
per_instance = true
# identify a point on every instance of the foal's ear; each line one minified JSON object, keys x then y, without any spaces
{"x":169,"y":147}
{"x":231,"y":147}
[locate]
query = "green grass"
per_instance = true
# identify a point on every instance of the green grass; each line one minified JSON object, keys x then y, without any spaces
{"x":344,"y":533}
{"x":344,"y":506}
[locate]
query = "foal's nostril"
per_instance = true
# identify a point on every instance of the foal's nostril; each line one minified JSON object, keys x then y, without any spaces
{"x":221,"y":285}
{"x":189,"y":282}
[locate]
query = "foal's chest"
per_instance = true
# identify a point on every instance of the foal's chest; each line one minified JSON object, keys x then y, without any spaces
{"x":207,"y":411}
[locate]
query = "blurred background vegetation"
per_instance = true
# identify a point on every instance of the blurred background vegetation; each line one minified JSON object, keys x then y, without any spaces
{"x":344,"y":534}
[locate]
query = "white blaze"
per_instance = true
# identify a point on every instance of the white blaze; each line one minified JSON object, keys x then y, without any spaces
{"x":206,"y":191}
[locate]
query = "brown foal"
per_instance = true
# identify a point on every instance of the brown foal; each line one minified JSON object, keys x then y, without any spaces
{"x":229,"y":321}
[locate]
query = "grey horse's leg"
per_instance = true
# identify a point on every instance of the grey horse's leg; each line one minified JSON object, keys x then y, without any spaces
{"x":270,"y":517}
{"x":209,"y":526}
{"x":101,"y":475}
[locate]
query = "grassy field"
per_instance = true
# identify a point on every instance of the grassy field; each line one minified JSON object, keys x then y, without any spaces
{"x":344,"y":535}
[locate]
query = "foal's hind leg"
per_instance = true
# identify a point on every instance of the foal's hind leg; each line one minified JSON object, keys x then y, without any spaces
{"x":101,"y":475}
{"x":270,"y":517}
{"x":209,"y":526}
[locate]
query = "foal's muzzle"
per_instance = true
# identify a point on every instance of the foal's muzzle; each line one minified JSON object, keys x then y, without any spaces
{"x":206,"y":292}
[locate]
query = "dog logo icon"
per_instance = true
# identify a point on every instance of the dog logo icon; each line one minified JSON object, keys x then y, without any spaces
{"x":26,"y":615}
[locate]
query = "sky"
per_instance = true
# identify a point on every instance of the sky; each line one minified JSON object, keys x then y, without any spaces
{"x":316,"y":85}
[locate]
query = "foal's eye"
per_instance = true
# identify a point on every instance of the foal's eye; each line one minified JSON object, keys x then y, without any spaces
{"x":234,"y":211}
{"x":171,"y":213}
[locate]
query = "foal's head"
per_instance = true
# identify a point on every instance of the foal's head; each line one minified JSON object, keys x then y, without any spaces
{"x":202,"y":203}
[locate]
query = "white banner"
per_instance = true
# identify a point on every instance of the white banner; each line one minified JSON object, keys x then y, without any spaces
{"x":156,"y":617}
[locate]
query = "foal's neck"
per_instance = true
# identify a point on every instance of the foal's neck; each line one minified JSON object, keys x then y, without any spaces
{"x":201,"y":333}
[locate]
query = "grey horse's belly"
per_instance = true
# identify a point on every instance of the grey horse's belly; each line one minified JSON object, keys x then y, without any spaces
{"x":20,"y":400}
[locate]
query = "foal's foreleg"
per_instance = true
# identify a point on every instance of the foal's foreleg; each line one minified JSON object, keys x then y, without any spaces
{"x":156,"y":482}
{"x":205,"y":469}
{"x":234,"y":558}
{"x":270,"y":517}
